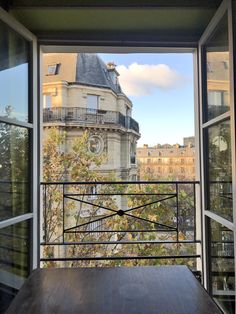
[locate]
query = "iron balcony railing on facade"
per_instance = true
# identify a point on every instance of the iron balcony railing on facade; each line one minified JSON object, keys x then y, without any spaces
{"x":132,"y":124}
{"x":88,"y":116}
{"x":119,"y":223}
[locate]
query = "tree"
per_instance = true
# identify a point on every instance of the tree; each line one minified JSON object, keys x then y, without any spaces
{"x":14,"y":192}
{"x":60,"y":165}
{"x":90,"y":205}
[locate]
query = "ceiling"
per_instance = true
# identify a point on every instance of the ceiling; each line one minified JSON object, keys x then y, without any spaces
{"x":125,"y":21}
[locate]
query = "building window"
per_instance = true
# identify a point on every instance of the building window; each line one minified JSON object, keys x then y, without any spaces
{"x":182,"y":161}
{"x":92,"y":103}
{"x":128,"y":112}
{"x":53,"y":69}
{"x":182,"y":170}
{"x":133,"y":153}
{"x":92,"y":191}
{"x":47,"y":101}
{"x":148,"y":160}
{"x":217,"y":98}
{"x":149,"y":153}
{"x":16,"y":163}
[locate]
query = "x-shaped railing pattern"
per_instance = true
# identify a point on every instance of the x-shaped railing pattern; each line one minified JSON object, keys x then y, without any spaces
{"x":120,"y":212}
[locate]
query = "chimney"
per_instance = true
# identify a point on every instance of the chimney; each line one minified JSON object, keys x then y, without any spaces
{"x":111,"y":67}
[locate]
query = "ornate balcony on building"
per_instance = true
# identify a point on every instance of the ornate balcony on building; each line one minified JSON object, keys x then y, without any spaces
{"x":88,"y":117}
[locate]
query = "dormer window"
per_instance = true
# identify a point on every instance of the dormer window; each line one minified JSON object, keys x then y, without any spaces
{"x":53,"y":69}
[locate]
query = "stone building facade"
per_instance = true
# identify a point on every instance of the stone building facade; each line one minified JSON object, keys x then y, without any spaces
{"x":167,"y":161}
{"x":81,"y":92}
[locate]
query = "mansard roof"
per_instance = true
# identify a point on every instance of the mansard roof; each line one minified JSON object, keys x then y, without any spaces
{"x":82,"y":68}
{"x":91,"y":70}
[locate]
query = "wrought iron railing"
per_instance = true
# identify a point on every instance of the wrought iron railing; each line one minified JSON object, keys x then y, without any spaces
{"x":132,"y":124}
{"x":119,"y":223}
{"x":88,"y":116}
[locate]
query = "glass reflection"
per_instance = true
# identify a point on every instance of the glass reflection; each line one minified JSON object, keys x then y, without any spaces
{"x":14,"y":261}
{"x":222,"y":266}
{"x":14,"y":75}
{"x":217,"y":66}
{"x":219,"y":170}
{"x":14,"y":171}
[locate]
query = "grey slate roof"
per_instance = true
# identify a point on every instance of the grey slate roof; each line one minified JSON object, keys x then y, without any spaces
{"x":91,"y":70}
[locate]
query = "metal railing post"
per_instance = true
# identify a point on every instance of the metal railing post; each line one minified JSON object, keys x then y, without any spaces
{"x":45,"y":214}
{"x":177,"y":210}
{"x":194,"y":208}
{"x":63,"y":213}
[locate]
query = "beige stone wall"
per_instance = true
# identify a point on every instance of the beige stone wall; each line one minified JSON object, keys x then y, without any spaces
{"x":123,"y":104}
{"x":116,"y":151}
{"x":65,"y":95}
{"x":58,"y":92}
{"x":67,"y":63}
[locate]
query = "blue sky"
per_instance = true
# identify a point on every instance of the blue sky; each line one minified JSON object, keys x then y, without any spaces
{"x":160,"y":87}
{"x":14,"y":91}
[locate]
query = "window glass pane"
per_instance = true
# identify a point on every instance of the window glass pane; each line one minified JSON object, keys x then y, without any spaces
{"x":217,"y":68}
{"x":219,"y":170}
{"x":92,"y":102}
{"x":14,"y":66}
{"x":53,"y":69}
{"x":14,"y":171}
{"x":47,"y":101}
{"x":222,"y":266}
{"x":14,"y":261}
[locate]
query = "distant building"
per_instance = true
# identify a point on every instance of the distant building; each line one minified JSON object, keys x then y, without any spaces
{"x":167,"y":161}
{"x":81,"y":92}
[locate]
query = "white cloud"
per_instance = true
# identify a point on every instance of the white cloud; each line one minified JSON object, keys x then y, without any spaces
{"x":143,"y":79}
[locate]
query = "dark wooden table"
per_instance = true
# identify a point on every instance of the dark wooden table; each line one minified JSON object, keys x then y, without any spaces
{"x":136,"y":290}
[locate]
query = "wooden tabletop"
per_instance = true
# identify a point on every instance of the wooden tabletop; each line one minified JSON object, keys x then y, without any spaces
{"x":118,"y":290}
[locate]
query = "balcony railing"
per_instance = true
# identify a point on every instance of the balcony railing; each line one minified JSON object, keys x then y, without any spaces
{"x":89,"y":116}
{"x":119,"y":223}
